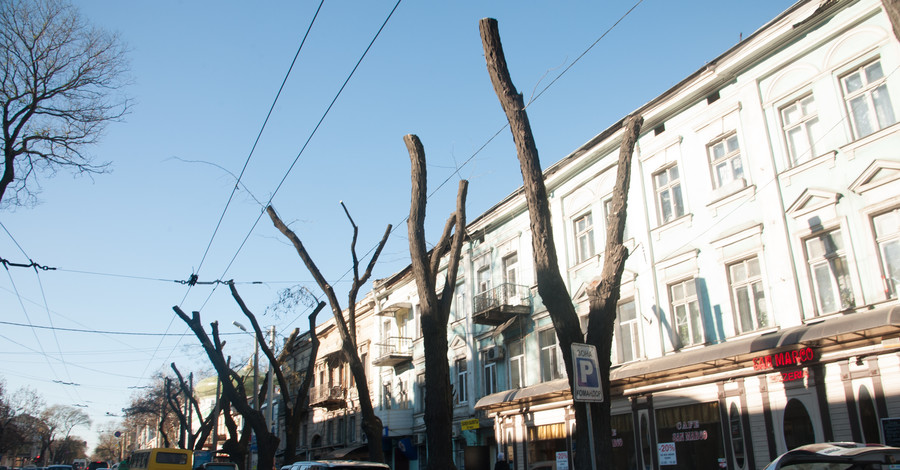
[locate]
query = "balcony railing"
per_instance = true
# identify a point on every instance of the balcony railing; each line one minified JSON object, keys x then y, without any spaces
{"x":328,"y":396}
{"x":393,"y":351}
{"x":498,"y":305}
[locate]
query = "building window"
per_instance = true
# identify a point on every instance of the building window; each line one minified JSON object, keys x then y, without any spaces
{"x":460,"y":309}
{"x":688,"y":320}
{"x":511,"y":268}
{"x":748,"y":295}
{"x":420,"y":392}
{"x":402,"y":395}
{"x":483,"y":279}
{"x":584,"y":238}
{"x":387,"y":395}
{"x":340,"y":431}
{"x":329,"y":433}
{"x":462,"y":374}
{"x":800,"y":121}
{"x":668,"y":194}
{"x":865,"y":91}
{"x":550,"y":360}
{"x":725,"y":160}
{"x":516,"y":364}
{"x":831,"y":276}
{"x":351,"y":430}
{"x":490,"y":378}
{"x":887,"y":236}
{"x":628,"y":334}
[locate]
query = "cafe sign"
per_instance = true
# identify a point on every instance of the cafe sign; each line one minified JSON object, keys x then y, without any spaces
{"x":784,"y":359}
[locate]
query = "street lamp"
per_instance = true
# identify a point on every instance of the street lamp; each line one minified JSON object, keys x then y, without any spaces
{"x":255,"y":363}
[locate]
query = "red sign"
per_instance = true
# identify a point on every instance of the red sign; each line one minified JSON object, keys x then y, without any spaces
{"x":784,"y":359}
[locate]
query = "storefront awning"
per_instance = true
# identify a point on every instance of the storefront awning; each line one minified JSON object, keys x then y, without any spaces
{"x":845,"y":331}
{"x":852,"y":330}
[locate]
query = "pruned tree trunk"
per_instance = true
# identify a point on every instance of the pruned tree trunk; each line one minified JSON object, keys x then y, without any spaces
{"x":195,"y":440}
{"x":371,"y":423}
{"x":603,"y":296}
{"x":435,"y":309}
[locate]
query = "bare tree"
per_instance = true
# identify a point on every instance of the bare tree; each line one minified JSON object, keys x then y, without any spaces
{"x":60,"y":85}
{"x":293,"y":409}
{"x":435,"y":306}
{"x":193,"y":440}
{"x":60,"y":421}
{"x":371,"y":423}
{"x":233,"y":388}
{"x":603,"y":296}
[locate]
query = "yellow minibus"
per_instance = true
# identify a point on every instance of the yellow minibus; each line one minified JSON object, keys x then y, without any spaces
{"x":161,"y":459}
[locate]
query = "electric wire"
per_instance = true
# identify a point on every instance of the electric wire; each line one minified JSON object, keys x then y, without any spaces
{"x":103,"y":332}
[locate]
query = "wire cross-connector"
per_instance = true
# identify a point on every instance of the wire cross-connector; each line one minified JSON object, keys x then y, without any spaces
{"x":7,"y":263}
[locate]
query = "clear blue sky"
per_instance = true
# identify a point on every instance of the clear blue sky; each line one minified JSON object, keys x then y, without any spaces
{"x":205,"y":74}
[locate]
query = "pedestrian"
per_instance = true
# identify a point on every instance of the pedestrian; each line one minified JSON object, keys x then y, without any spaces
{"x":501,"y":462}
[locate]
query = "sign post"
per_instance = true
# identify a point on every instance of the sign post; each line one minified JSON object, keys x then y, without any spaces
{"x":588,"y":387}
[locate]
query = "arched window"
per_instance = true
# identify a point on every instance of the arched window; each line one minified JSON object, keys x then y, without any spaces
{"x":798,"y":427}
{"x":868,"y":417}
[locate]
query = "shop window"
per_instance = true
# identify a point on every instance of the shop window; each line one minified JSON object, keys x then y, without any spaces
{"x":628,"y":333}
{"x":737,"y":435}
{"x":830,"y":273}
{"x":887,"y":236}
{"x":725,"y":160}
{"x":696,"y":432}
{"x":748,"y":295}
{"x":798,"y":427}
{"x":868,"y":417}
{"x":686,"y":308}
{"x":543,"y":442}
{"x":550,"y":355}
{"x":800,"y":121}
{"x":868,"y":102}
{"x":668,"y":194}
{"x":624,"y":454}
{"x":584,"y":238}
{"x":516,"y":364}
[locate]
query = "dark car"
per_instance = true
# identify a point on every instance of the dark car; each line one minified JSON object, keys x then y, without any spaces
{"x":97,"y":464}
{"x":218,"y":466}
{"x":838,"y":456}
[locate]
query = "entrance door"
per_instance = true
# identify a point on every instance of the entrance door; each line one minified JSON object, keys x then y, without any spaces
{"x":795,"y":414}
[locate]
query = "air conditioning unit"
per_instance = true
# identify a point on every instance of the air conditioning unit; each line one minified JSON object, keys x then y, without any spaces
{"x":494,"y":353}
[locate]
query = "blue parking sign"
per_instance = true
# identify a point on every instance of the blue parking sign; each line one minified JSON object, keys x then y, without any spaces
{"x":587,"y":373}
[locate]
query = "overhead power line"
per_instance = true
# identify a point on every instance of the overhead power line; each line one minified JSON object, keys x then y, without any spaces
{"x":104,"y":332}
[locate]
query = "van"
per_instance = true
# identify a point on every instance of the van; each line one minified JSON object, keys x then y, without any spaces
{"x":161,"y":459}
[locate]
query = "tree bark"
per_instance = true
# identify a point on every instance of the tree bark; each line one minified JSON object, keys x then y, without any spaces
{"x":371,"y":423}
{"x":892,"y":8}
{"x":550,"y":283}
{"x":435,"y":310}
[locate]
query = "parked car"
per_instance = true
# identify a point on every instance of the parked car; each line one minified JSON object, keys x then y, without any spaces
{"x":338,"y":464}
{"x":59,"y":467}
{"x":218,"y":466}
{"x":97,"y":464}
{"x":838,"y":456}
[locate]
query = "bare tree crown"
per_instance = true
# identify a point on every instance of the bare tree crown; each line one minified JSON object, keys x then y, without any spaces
{"x":61,"y":83}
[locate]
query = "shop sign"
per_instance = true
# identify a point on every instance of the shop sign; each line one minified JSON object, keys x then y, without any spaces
{"x":666,"y":451}
{"x":562,"y":460}
{"x":587,"y":373}
{"x":689,"y":431}
{"x":469,"y":424}
{"x":784,"y":359}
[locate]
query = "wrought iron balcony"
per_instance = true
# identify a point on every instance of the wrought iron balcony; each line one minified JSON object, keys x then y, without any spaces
{"x":393,"y":351}
{"x":498,"y":305}
{"x":331,"y":397}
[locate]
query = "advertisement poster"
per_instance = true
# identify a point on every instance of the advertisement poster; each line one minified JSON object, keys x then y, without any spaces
{"x":666,"y":451}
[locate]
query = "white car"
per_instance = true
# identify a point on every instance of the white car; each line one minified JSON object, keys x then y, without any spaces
{"x":838,"y":456}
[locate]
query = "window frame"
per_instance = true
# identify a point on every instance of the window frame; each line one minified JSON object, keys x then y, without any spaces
{"x":517,"y":363}
{"x":686,"y":301}
{"x":676,"y":195}
{"x":827,"y":259}
{"x":582,"y":236}
{"x":728,"y":158}
{"x":748,"y":282}
{"x":892,"y":285}
{"x":490,"y":383}
{"x":809,"y":126}
{"x":462,"y":378}
{"x":638,"y":351}
{"x":866,"y":90}
{"x":550,"y":358}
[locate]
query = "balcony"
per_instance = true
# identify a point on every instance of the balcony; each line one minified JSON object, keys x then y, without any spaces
{"x":496,"y":306}
{"x":393,"y":351}
{"x":331,"y":397}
